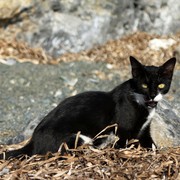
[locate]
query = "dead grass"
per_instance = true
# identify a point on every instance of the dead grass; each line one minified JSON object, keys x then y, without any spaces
{"x":86,"y":162}
{"x":89,"y":163}
{"x":20,"y":51}
{"x":115,"y":52}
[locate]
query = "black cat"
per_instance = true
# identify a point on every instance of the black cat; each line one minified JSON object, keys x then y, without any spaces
{"x":130,"y":105}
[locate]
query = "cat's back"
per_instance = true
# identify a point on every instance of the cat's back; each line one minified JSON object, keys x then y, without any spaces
{"x":86,"y":105}
{"x":89,"y":98}
{"x":95,"y":99}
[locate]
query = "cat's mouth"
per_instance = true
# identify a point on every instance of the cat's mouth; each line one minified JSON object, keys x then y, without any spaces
{"x":151,"y":103}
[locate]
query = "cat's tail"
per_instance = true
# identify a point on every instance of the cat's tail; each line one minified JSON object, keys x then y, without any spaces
{"x":26,"y":150}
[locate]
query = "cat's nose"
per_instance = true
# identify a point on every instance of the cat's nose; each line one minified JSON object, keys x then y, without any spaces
{"x":153,"y":96}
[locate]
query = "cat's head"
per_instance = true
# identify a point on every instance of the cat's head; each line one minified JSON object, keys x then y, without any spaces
{"x":152,"y":81}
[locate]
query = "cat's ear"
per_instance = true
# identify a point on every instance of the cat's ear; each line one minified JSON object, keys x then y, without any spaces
{"x":168,"y":67}
{"x":136,"y":67}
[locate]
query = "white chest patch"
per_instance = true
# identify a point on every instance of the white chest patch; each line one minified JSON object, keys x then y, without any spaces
{"x":149,"y":118}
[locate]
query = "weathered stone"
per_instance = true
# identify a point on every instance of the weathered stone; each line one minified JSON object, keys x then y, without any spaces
{"x":160,"y":17}
{"x":61,"y":26}
{"x":165,"y":126}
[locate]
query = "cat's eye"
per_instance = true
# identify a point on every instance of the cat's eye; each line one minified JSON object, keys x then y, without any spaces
{"x":161,"y":86}
{"x":145,"y":86}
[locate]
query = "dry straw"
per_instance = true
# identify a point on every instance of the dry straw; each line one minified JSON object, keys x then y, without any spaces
{"x":86,"y":162}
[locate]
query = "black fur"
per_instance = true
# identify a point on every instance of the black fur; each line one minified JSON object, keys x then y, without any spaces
{"x":91,"y":112}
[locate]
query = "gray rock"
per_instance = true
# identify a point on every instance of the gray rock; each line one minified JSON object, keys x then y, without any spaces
{"x":165,"y":125}
{"x":61,"y":26}
{"x":161,"y":17}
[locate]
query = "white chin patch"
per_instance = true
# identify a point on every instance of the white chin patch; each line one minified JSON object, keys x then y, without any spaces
{"x":158,"y":97}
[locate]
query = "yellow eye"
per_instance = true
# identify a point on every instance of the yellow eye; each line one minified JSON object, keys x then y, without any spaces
{"x":161,"y":86}
{"x":145,"y":86}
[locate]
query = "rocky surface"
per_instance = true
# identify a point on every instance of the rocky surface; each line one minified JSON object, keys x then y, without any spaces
{"x":30,"y":91}
{"x":61,"y":26}
{"x":164,"y":128}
